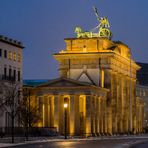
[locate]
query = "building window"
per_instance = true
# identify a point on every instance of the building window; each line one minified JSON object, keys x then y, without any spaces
{"x":10,"y":55}
{"x":14,"y":74}
{"x":10,"y":73}
{"x":14,"y":56}
{"x":5,"y":53}
{"x":144,"y":94}
{"x":0,"y":52}
{"x":19,"y":76}
{"x":19,"y":58}
{"x":5,"y":72}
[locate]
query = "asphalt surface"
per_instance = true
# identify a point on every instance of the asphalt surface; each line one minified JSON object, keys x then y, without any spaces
{"x":141,"y":145}
{"x":103,"y":143}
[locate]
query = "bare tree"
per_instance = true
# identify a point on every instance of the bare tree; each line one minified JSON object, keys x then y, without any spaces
{"x":9,"y":101}
{"x":28,"y":110}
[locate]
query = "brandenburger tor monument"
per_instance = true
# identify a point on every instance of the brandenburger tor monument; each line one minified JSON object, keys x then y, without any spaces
{"x":98,"y":83}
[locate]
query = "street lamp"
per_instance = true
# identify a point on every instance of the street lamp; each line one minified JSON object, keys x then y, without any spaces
{"x":65,"y":110}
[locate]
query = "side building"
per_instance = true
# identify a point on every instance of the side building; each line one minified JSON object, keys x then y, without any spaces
{"x":10,"y":73}
{"x":142,"y":89}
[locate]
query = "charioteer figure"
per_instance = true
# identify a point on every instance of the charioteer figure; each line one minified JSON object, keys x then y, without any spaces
{"x":103,"y":26}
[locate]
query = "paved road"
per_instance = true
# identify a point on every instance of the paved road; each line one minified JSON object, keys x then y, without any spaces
{"x":141,"y":145}
{"x":105,"y":143}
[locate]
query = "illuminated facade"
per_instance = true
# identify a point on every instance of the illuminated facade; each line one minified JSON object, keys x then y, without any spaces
{"x":98,"y":80}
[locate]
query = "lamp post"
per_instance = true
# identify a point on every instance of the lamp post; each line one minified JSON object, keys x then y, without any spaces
{"x":65,"y":111}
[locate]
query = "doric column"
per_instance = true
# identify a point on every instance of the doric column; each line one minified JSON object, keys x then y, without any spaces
{"x":56,"y":111}
{"x":129,"y":102}
{"x":119,"y":103}
{"x":51,"y":111}
{"x":41,"y":111}
{"x":138,"y":116}
{"x":92,"y":110}
{"x":133,"y":97}
{"x":82,"y":109}
{"x":114,"y":101}
{"x":101,"y":115}
{"x":105,"y":115}
{"x":142,"y":116}
{"x":97,"y":118}
{"x":109,"y":120}
{"x":80,"y":114}
{"x":109,"y":84}
{"x":72,"y":115}
{"x":61,"y":114}
{"x":77,"y":117}
{"x":95,"y":114}
{"x":45,"y":111}
{"x":120,"y":107}
{"x":48,"y":111}
{"x":88,"y":116}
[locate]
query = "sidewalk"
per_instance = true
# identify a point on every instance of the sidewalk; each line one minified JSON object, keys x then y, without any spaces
{"x":6,"y":142}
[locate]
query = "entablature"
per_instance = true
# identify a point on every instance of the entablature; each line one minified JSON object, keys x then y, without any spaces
{"x":105,"y":60}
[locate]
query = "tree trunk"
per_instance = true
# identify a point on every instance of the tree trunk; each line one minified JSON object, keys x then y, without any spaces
{"x":12,"y":127}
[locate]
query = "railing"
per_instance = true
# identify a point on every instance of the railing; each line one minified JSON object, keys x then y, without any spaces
{"x":33,"y":131}
{"x":7,"y":78}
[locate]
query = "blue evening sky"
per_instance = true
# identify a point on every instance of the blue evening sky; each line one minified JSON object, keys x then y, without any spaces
{"x":42,"y":26}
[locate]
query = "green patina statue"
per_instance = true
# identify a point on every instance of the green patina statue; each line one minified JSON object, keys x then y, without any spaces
{"x":103,"y":28}
{"x":82,"y":34}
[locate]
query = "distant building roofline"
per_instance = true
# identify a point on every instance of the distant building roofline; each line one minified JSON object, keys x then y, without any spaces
{"x":34,"y":82}
{"x":11,"y":41}
{"x":142,"y":74}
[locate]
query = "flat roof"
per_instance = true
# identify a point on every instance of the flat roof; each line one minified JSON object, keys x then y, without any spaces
{"x":11,"y":41}
{"x":34,"y":82}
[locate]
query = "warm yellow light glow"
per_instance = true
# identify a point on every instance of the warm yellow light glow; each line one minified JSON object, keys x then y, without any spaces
{"x":102,"y":78}
{"x":10,"y":55}
{"x":19,"y":57}
{"x":65,"y":105}
{"x":88,"y":129}
{"x":43,"y":115}
{"x":84,"y":49}
{"x":14,"y":56}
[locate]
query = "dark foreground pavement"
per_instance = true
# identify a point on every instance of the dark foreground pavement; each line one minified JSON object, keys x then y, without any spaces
{"x":141,"y":145}
{"x":90,"y":143}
